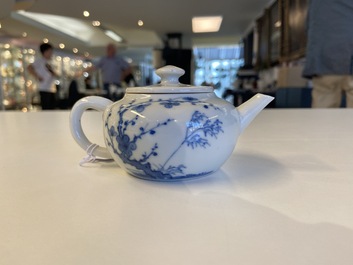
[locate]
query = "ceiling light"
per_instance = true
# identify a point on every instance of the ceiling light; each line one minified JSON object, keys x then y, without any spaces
{"x":140,"y":23}
{"x":206,"y":24}
{"x":113,"y":35}
{"x":0,"y":26}
{"x":85,"y":13}
{"x":96,"y":23}
{"x":24,"y":34}
{"x":45,"y":40}
{"x":7,"y":46}
{"x":86,"y":54}
{"x":75,"y":50}
{"x":71,"y":27}
{"x":61,"y":45}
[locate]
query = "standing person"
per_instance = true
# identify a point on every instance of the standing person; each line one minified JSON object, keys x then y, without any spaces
{"x":329,"y":55}
{"x":43,"y":72}
{"x":114,"y":70}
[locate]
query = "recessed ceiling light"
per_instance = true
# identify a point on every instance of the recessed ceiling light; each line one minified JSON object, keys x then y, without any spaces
{"x":75,"y":50}
{"x":140,"y":23}
{"x":206,"y":24}
{"x":85,"y":13}
{"x":45,"y":40}
{"x":86,"y":54}
{"x":61,"y":45}
{"x":96,"y":23}
{"x":24,"y":34}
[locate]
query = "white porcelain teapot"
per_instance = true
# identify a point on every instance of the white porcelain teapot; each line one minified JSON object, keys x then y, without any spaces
{"x":169,"y":131}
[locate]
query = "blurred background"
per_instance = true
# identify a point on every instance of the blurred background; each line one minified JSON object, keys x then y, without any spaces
{"x":248,"y":46}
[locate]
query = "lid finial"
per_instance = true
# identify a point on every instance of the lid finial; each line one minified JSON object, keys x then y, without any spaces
{"x":170,"y":75}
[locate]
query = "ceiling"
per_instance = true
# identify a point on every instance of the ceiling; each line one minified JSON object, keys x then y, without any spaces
{"x":160,"y":17}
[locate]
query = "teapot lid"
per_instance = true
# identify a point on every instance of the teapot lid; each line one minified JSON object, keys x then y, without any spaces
{"x":169,"y":84}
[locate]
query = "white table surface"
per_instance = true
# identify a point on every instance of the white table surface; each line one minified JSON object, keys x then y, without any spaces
{"x":284,"y":197}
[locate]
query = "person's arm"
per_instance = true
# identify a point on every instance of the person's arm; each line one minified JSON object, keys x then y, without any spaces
{"x":90,"y":69}
{"x":126,"y":70}
{"x":33,"y":72}
{"x":52,"y":72}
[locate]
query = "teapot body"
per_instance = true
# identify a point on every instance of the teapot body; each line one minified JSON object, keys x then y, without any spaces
{"x":170,"y":137}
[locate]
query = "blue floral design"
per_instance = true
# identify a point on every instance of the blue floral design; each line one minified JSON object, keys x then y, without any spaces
{"x":125,"y":145}
{"x":169,"y":104}
{"x":198,"y":129}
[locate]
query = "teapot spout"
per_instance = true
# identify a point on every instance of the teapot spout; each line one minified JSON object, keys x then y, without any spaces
{"x":249,"y":109}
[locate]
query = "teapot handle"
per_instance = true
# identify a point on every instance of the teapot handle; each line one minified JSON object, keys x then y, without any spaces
{"x":91,"y":102}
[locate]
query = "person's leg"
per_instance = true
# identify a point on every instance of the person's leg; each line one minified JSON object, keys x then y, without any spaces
{"x":327,"y":91}
{"x":119,"y":93}
{"x":348,"y":88}
{"x":106,"y":90}
{"x":48,"y":100}
{"x":45,"y":100}
{"x":53,"y":102}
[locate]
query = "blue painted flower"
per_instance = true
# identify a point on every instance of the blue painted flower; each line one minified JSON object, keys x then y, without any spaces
{"x":169,"y":104}
{"x":140,"y":107}
{"x":112,"y":131}
{"x":125,"y":145}
{"x":189,"y":98}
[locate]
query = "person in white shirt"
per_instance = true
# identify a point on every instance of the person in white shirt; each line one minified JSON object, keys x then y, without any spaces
{"x":43,"y":72}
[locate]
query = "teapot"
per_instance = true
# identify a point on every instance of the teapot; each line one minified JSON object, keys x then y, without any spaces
{"x":169,"y":131}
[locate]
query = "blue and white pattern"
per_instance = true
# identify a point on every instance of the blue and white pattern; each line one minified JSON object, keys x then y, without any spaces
{"x":199,"y":129}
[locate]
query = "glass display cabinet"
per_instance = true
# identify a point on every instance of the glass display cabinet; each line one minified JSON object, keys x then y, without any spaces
{"x":18,"y":89}
{"x":217,"y":67}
